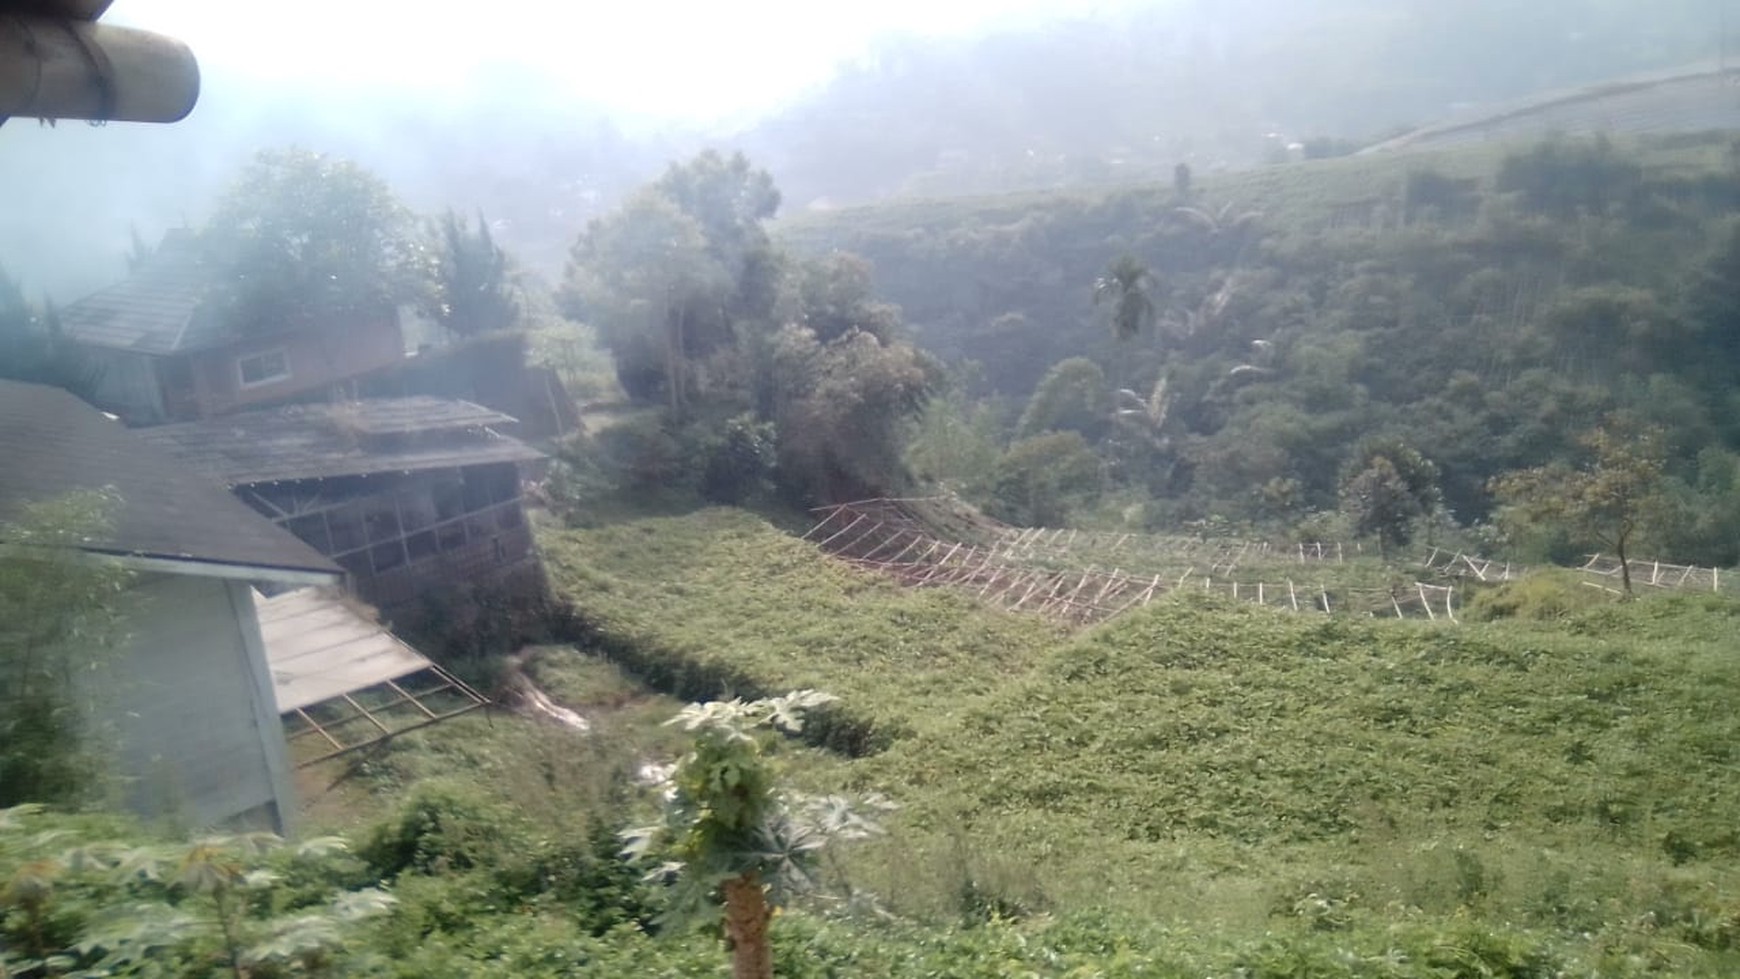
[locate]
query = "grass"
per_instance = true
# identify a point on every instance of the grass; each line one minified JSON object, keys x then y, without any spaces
{"x":727,"y":605}
{"x":1227,"y":768}
{"x":560,"y":778}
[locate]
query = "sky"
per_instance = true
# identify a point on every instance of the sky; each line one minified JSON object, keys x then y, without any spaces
{"x":674,"y":61}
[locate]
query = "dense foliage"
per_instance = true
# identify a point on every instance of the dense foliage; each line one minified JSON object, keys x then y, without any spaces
{"x":302,"y":239}
{"x":33,"y":348}
{"x":1241,"y":770}
{"x":742,"y":346}
{"x":1484,"y":307}
{"x":475,"y":283}
{"x":58,"y":623}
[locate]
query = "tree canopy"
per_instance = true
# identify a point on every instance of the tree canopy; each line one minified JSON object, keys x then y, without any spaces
{"x":303,"y":239}
{"x":742,"y":345}
{"x":475,"y":285}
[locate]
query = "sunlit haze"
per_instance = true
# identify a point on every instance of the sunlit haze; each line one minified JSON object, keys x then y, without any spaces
{"x":681,"y":61}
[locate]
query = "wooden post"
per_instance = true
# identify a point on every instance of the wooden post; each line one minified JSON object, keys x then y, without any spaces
{"x":1292,"y":596}
{"x":1424,"y":601}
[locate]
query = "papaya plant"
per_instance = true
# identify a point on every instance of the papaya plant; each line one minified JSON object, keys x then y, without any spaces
{"x":736,"y":840}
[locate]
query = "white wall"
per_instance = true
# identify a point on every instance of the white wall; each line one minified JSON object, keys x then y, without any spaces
{"x":200,"y":738}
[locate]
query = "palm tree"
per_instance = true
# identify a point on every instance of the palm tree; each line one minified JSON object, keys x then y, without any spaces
{"x":1125,"y":285}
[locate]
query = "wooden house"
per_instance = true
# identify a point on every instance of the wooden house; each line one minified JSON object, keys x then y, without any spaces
{"x":412,"y":496}
{"x":193,"y":709}
{"x":165,"y":354}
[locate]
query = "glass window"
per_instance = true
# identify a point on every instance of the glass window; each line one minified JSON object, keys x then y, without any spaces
{"x":477,"y":490}
{"x":382,"y":519}
{"x":420,"y":546}
{"x":264,"y":368}
{"x":347,"y":529}
{"x":451,"y":536}
{"x":387,"y":556}
{"x":417,"y":508}
{"x":312,"y":531}
{"x":449,"y":496}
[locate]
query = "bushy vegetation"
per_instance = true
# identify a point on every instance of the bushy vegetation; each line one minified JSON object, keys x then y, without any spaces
{"x":1484,"y":307}
{"x":1549,"y":789}
{"x":668,"y":599}
{"x":769,"y":372}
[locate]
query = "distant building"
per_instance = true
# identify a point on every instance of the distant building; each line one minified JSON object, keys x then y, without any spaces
{"x":192,"y":695}
{"x":166,"y":356}
{"x":410,"y":495}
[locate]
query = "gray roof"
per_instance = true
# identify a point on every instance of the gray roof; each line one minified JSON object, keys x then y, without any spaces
{"x":353,"y":438}
{"x":159,"y":309}
{"x":52,"y":444}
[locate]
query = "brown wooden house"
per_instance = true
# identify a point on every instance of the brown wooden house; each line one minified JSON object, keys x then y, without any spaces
{"x":411,"y":496}
{"x":164,"y":355}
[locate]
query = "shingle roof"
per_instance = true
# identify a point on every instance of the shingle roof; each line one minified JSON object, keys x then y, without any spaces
{"x":159,"y":309}
{"x":51,"y":444}
{"x":356,"y":438}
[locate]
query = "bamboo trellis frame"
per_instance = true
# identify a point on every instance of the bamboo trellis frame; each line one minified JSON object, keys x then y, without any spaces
{"x":1003,"y":565}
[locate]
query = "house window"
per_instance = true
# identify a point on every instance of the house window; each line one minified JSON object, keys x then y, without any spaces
{"x":264,"y":368}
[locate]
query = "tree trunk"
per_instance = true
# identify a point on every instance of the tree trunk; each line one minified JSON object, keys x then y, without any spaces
{"x":746,"y":919}
{"x":1624,"y":565}
{"x":671,"y":391}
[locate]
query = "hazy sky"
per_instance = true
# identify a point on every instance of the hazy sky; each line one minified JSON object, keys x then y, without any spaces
{"x":689,"y":60}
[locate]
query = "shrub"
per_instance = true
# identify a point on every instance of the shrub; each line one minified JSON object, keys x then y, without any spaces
{"x":442,"y":826}
{"x":1544,"y":596}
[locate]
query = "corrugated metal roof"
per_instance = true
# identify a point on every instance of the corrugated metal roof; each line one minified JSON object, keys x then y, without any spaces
{"x":356,"y":438}
{"x":320,"y":646}
{"x":52,"y":444}
{"x":159,"y":309}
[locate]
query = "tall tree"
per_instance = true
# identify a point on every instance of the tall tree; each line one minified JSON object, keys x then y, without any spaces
{"x":1387,"y":488}
{"x":476,"y":292}
{"x":33,"y":348}
{"x":638,"y":274}
{"x":1604,"y":500}
{"x":1125,"y":285}
{"x":678,"y":269}
{"x":303,"y":239}
{"x":57,"y":623}
{"x":842,"y":410}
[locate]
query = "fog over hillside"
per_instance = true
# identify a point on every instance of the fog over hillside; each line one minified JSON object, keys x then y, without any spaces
{"x":1054,"y":97}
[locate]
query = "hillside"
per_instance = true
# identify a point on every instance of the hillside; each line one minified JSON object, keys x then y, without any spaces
{"x":1237,"y":770}
{"x":1478,"y":301}
{"x":1191,"y":789}
{"x":1704,"y":99}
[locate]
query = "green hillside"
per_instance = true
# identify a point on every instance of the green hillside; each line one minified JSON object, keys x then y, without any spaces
{"x":1482,"y":304}
{"x":1229,"y":769}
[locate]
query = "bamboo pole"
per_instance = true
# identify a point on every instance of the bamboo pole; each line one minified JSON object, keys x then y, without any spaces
{"x":60,"y":68}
